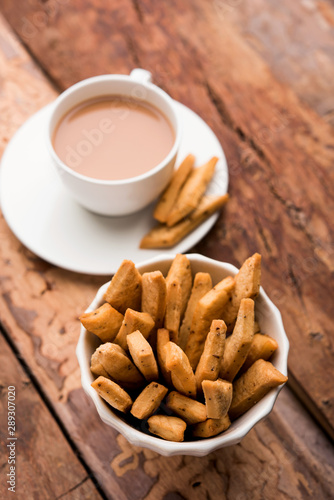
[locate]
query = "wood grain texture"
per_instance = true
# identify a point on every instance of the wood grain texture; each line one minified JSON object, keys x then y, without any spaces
{"x":286,"y":456}
{"x":296,"y":41}
{"x":259,"y":467}
{"x":46,"y":466}
{"x":280,"y":152}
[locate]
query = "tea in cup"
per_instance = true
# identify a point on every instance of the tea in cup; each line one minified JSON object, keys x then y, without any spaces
{"x":114,"y":141}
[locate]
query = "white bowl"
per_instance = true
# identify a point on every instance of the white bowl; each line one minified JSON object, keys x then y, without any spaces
{"x":270,"y":322}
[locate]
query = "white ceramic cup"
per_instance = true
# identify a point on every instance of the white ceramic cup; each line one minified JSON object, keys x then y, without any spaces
{"x":116,"y":197}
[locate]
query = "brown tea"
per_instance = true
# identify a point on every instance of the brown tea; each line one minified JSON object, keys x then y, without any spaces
{"x":113,"y":138}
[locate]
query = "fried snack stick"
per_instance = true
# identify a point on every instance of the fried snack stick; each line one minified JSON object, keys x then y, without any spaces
{"x":96,"y":367}
{"x":163,"y":237}
{"x":117,"y":364}
{"x":173,"y":309}
{"x":169,"y":428}
{"x":189,"y":410}
{"x":148,"y":400}
{"x":202,"y":284}
{"x":134,"y":320}
{"x":238,"y":344}
{"x":104,"y":322}
{"x":142,"y":355}
{"x":192,"y":191}
{"x":153,"y":299}
{"x":178,"y":281}
{"x":183,"y":378}
{"x":262,"y":347}
{"x":113,"y":394}
{"x":218,"y":397}
{"x":181,"y":269}
{"x":169,"y":196}
{"x":212,"y":355}
{"x":247,"y":285}
{"x":163,"y":339}
{"x":253,"y":385}
{"x":211,"y":427}
{"x":207,"y":309}
{"x":125,"y":288}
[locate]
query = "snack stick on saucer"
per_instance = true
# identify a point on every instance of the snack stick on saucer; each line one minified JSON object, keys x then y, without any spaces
{"x":202,"y":284}
{"x":192,"y":191}
{"x":211,"y":427}
{"x":238,"y":344}
{"x":148,"y":400}
{"x":169,"y":196}
{"x":218,"y":397}
{"x":125,"y":288}
{"x":209,"y":364}
{"x":104,"y":322}
{"x":253,"y":385}
{"x":134,"y":320}
{"x":188,"y":409}
{"x":262,"y":347}
{"x":247,"y":285}
{"x":112,"y":393}
{"x":207,"y":309}
{"x":162,"y":236}
{"x":170,"y":428}
{"x":118,"y":365}
{"x":183,"y":377}
{"x":142,"y":355}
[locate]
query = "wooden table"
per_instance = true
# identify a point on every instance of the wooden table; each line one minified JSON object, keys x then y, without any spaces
{"x":261,"y":75}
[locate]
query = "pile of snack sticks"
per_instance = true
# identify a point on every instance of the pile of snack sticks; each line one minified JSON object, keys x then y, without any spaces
{"x":184,"y":204}
{"x":180,"y":341}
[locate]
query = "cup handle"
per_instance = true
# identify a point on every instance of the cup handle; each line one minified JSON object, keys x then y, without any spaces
{"x":141,"y":75}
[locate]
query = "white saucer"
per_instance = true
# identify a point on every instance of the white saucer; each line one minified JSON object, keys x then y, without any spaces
{"x":46,"y":220}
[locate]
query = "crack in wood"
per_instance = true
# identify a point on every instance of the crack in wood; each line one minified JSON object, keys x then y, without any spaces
{"x":262,"y":235}
{"x":222,"y":110}
{"x":138,"y":10}
{"x":294,"y":283}
{"x":132,"y":49}
{"x":316,"y":335}
{"x":227,"y":119}
{"x":73,"y":488}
